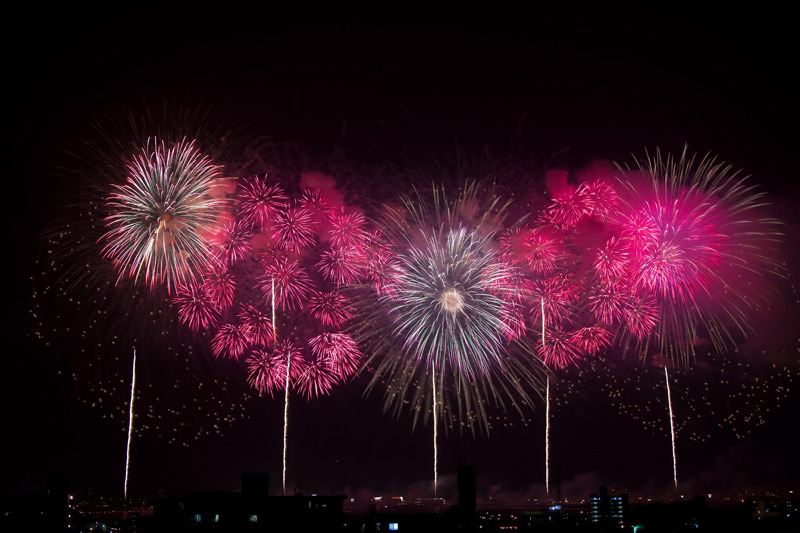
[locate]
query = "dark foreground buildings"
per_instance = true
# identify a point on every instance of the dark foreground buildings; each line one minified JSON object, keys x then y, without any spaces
{"x":253,"y":510}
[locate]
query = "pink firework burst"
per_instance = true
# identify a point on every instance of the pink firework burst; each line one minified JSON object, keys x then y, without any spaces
{"x":220,"y":286}
{"x":314,"y":202}
{"x":340,"y":350}
{"x":259,"y":202}
{"x":611,"y":262}
{"x":514,"y":318}
{"x":541,"y":252}
{"x":347,"y":229}
{"x":558,"y":350}
{"x":556,"y":294}
{"x":233,"y":242}
{"x":591,"y":339}
{"x":607,"y":301}
{"x":291,"y":283}
{"x":294,"y":229}
{"x":259,"y":326}
{"x":681,"y":261}
{"x":266,"y":371}
{"x":639,"y":230}
{"x":385,"y":275}
{"x":342,"y":265}
{"x":317,"y":378}
{"x":641,"y":316}
{"x":231,"y":340}
{"x":196,"y":308}
{"x":600,"y":199}
{"x":291,"y":355}
{"x":567,"y":208}
{"x":331,"y":308}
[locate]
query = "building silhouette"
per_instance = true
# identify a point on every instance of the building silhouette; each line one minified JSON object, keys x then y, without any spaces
{"x":609,"y":511}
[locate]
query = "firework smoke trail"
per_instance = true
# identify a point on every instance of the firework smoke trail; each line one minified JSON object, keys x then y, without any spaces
{"x":671,"y":430}
{"x":130,"y":427}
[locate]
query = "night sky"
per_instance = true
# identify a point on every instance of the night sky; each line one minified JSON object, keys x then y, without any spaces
{"x":575,"y":85}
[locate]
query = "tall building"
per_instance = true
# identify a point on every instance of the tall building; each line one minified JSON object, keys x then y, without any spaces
{"x":609,"y":511}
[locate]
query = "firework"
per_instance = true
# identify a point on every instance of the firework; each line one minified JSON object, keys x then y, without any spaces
{"x":287,"y":281}
{"x":232,"y":242}
{"x":95,"y":302}
{"x":259,"y":202}
{"x":258,"y":324}
{"x":294,"y":229}
{"x":339,"y":350}
{"x":231,"y":340}
{"x":447,"y":306}
{"x":691,"y":245}
{"x":196,"y":307}
{"x":330,"y":308}
{"x":159,"y":219}
{"x":220,"y":286}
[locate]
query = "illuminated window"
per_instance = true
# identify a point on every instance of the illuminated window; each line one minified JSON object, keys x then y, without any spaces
{"x":394,"y":526}
{"x":197,"y":517}
{"x":254,"y":518}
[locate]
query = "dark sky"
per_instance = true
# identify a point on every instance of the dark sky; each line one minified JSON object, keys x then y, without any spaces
{"x":596,"y":84}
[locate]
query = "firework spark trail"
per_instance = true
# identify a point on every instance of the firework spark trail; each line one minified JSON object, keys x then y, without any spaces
{"x":435,"y":435}
{"x":286,"y":417}
{"x":547,"y":441}
{"x":671,"y":430}
{"x":546,"y":416}
{"x":130,"y":427}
